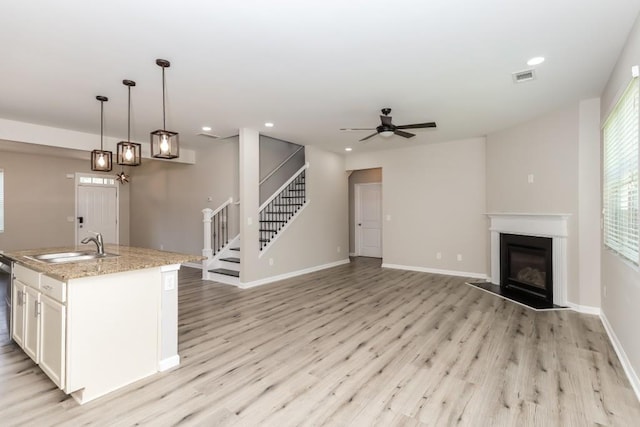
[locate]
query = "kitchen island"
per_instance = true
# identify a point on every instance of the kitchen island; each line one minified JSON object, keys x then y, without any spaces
{"x":95,"y":326}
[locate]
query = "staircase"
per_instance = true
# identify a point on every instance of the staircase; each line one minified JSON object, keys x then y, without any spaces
{"x":279,"y":209}
{"x":222,"y":263}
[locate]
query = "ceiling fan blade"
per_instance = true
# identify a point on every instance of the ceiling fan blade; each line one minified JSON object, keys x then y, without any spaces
{"x":386,"y":120}
{"x":405,"y":134}
{"x":418,"y":126}
{"x":367,"y":137}
{"x":350,"y":129}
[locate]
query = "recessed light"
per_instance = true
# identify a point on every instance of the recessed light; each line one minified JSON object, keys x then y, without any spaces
{"x":348,"y":149}
{"x":206,"y":128}
{"x":535,"y":61}
{"x":268,"y":124}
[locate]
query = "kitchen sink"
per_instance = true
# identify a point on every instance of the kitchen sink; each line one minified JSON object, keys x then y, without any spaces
{"x":62,"y":257}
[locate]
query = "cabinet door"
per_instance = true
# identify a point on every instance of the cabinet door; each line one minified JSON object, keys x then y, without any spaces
{"x":52,"y":339}
{"x":31,"y":323}
{"x":17,"y":312}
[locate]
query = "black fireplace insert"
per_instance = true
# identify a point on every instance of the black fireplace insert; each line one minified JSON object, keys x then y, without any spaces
{"x":526,"y":265}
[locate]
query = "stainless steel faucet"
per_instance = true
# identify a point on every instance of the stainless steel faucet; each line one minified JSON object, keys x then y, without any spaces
{"x":97,"y":240}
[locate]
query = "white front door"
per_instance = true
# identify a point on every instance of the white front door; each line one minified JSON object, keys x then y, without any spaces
{"x":368,"y":220}
{"x":97,"y":212}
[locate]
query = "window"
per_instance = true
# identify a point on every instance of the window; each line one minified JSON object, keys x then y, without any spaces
{"x":620,"y":186}
{"x":1,"y":200}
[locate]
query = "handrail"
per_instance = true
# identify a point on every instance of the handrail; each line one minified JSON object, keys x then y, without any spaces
{"x":279,"y":190}
{"x":280,"y":165}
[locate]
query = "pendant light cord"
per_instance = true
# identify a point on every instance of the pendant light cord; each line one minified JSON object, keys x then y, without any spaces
{"x":164,"y":122}
{"x":101,"y":123}
{"x":129,"y":117}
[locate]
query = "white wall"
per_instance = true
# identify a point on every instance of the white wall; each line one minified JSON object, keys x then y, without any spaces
{"x":621,"y":280}
{"x":167,"y":198}
{"x":39,"y":197}
{"x":434,"y":195}
{"x":547,"y":148}
{"x":317,"y":237}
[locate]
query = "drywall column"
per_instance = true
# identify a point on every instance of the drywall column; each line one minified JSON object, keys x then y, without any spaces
{"x":589,"y":203}
{"x":249,"y":203}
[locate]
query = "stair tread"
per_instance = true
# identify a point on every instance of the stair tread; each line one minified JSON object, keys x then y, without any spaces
{"x":266,"y":230}
{"x":272,"y":220}
{"x":234,"y":249}
{"x":225,"y":272}
{"x":231,"y":259}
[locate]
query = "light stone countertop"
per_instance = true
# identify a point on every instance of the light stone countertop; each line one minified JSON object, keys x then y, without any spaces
{"x":130,"y":258}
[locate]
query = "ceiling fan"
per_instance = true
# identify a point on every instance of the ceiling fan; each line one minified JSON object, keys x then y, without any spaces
{"x":386,"y":128}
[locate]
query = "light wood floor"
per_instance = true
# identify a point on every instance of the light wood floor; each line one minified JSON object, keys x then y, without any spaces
{"x":355,"y":345}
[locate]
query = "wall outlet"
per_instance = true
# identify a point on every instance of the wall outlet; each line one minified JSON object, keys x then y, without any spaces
{"x":388,"y":217}
{"x":170,"y":283}
{"x":209,"y":199}
{"x":70,"y":176}
{"x":439,"y":255}
{"x":530,"y":178}
{"x":71,"y":219}
{"x":459,"y":257}
{"x":249,"y":221}
{"x":339,"y":249}
{"x":161,"y":247}
{"x":605,"y":291}
{"x":270,"y":261}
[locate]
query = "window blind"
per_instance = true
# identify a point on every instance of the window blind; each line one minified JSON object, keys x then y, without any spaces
{"x":620,"y":175}
{"x":1,"y":200}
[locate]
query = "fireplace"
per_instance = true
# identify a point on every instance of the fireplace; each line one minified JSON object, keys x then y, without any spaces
{"x":526,"y":265}
{"x":551,"y":225}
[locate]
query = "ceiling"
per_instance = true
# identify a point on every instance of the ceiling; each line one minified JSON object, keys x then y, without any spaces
{"x":311,"y":67}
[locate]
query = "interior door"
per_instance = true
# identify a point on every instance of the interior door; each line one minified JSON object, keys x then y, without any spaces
{"x":369,"y":219}
{"x":97,"y":212}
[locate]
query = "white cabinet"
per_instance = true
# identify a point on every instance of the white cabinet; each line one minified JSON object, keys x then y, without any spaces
{"x":39,"y":320}
{"x":17,"y":312}
{"x":31,"y":343}
{"x":52,"y":339}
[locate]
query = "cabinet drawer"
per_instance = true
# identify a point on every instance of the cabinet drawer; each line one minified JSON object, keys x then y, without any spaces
{"x":53,"y":288}
{"x":27,"y":276}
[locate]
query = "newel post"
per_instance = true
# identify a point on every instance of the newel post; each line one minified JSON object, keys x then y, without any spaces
{"x":206,"y":251}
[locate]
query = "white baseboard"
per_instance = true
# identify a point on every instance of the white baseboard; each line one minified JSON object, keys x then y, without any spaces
{"x":192,"y":265}
{"x":272,"y":279}
{"x":436,"y":271}
{"x":168,"y":363}
{"x":622,"y":356}
{"x":586,"y":309}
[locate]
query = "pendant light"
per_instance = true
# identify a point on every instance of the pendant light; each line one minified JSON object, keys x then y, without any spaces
{"x":128,"y":153}
{"x":101,"y":160}
{"x":164,"y":143}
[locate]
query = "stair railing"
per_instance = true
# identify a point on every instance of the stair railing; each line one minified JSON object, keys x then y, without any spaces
{"x":216,"y":229}
{"x":278,"y":209}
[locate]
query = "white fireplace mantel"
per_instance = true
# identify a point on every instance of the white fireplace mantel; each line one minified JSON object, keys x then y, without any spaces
{"x":549,"y":225}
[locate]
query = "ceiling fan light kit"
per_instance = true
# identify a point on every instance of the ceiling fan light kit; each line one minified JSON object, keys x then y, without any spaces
{"x":164,"y":143}
{"x":387,"y":129}
{"x":101,"y":160}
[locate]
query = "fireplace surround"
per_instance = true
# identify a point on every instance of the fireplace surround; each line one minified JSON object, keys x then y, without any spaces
{"x":552,"y":226}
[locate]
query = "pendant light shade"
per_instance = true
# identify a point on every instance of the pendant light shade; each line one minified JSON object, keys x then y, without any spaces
{"x":101,"y":160}
{"x":164,"y":143}
{"x":129,"y":153}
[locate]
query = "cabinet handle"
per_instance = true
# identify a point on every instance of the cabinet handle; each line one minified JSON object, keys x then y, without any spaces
{"x":37,"y":309}
{"x":47,"y":287}
{"x":21,"y":295}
